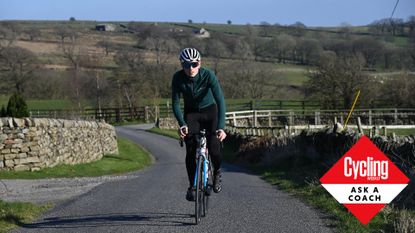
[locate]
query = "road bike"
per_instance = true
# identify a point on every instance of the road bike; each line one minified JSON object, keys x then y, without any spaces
{"x":203,"y":181}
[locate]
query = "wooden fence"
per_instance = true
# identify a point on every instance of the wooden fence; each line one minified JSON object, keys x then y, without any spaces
{"x":276,"y":122}
{"x":270,"y":118}
{"x":146,"y":113}
{"x":272,"y":113}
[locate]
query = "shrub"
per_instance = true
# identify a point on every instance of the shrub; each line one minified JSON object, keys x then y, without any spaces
{"x":3,"y":111}
{"x":17,"y":107}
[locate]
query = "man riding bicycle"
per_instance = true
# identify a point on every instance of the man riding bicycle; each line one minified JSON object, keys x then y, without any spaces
{"x":204,"y":108}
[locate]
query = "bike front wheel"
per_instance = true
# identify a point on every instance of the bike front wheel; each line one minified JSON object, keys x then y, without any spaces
{"x":199,"y":192}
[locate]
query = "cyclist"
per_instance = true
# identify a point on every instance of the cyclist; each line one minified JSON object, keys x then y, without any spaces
{"x":204,"y":108}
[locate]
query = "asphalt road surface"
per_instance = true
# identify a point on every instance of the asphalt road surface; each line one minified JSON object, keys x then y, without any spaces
{"x":153,"y":200}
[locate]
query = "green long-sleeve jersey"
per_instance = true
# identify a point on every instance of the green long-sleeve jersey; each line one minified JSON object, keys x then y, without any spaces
{"x":198,"y":92}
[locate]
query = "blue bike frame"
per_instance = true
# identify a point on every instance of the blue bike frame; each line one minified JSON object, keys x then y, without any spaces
{"x":201,"y":154}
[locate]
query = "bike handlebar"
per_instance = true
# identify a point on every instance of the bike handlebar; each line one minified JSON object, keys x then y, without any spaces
{"x":201,"y":133}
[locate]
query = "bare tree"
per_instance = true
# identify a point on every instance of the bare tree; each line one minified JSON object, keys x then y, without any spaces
{"x":158,"y":40}
{"x":33,"y":33}
{"x":72,"y":51}
{"x":8,"y":34}
{"x":399,"y":90}
{"x":106,"y":44}
{"x":17,"y":66}
{"x":254,"y":81}
{"x":241,"y":50}
{"x":281,"y":47}
{"x":94,"y":62}
{"x":254,"y":41}
{"x":337,"y":78}
{"x":411,"y":26}
{"x":129,"y":77}
{"x":308,"y":51}
{"x":217,"y":50}
{"x":299,"y":28}
{"x":370,"y":48}
{"x":265,"y":29}
{"x":65,"y":32}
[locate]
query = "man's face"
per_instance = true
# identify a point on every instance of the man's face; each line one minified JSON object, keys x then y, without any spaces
{"x":191,"y":69}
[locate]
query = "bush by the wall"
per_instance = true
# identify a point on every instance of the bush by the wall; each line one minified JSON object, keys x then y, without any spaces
{"x":3,"y":111}
{"x":17,"y":107}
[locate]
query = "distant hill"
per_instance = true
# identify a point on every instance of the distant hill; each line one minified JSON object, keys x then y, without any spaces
{"x":135,"y":60}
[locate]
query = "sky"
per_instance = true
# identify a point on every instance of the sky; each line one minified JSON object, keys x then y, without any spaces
{"x":309,"y":12}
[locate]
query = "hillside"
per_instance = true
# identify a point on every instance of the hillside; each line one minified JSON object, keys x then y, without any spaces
{"x":74,"y":61}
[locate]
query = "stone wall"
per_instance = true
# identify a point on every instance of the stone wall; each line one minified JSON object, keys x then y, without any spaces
{"x":325,"y":147}
{"x":168,"y":123}
{"x":35,"y":143}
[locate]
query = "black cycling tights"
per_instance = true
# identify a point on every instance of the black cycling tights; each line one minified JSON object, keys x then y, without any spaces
{"x":205,"y":118}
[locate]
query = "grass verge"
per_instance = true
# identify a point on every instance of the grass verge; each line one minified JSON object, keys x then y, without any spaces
{"x":300,"y":177}
{"x":302,"y":180}
{"x":131,"y":157}
{"x":165,"y":132}
{"x":16,"y":214}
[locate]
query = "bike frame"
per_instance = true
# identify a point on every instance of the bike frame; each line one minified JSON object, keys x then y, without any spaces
{"x":201,"y":153}
{"x":202,"y":173}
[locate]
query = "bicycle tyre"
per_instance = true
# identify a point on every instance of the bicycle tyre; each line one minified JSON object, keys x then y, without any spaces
{"x":199,"y":186}
{"x":209,"y":185}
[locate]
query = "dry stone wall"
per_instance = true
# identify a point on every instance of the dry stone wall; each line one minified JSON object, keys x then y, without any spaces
{"x":167,"y":123}
{"x":324,"y":148}
{"x":35,"y":143}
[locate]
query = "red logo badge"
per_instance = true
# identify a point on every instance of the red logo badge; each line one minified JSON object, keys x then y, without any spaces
{"x":364,"y":180}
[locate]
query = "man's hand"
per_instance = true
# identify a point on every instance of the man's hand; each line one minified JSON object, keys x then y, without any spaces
{"x":220,"y":134}
{"x":183,"y":131}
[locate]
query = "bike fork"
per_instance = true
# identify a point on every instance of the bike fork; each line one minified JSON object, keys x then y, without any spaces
{"x":204,"y":174}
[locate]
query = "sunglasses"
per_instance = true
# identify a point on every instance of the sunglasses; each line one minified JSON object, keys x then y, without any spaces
{"x":187,"y":65}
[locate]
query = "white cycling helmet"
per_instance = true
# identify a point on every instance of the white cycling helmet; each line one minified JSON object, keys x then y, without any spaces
{"x":189,"y":55}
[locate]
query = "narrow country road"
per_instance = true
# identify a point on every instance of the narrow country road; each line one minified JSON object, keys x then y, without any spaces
{"x":153,"y":200}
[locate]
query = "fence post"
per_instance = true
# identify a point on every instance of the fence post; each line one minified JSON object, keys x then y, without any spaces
{"x":375,"y":131}
{"x":157,"y":113}
{"x":269,"y":119}
{"x":146,"y":114}
{"x":317,"y":120}
{"x":168,"y":109}
{"x":291,"y":118}
{"x":117,"y":115}
{"x":255,"y":119}
{"x":359,"y":125}
{"x":252,"y":105}
{"x":396,"y":116}
{"x":370,"y":116}
{"x":234,"y":119}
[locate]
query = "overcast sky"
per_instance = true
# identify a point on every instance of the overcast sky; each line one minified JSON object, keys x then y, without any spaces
{"x":309,"y":12}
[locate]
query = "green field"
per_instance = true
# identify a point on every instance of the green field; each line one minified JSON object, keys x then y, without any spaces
{"x":41,"y":104}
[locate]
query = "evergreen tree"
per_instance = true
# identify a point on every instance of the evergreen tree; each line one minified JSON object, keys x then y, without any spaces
{"x":3,"y":112}
{"x":17,"y":107}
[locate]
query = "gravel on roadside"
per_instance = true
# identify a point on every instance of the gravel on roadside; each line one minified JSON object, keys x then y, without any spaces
{"x":52,"y":190}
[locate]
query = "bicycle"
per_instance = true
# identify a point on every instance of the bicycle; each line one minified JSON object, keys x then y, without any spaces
{"x":203,"y":181}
